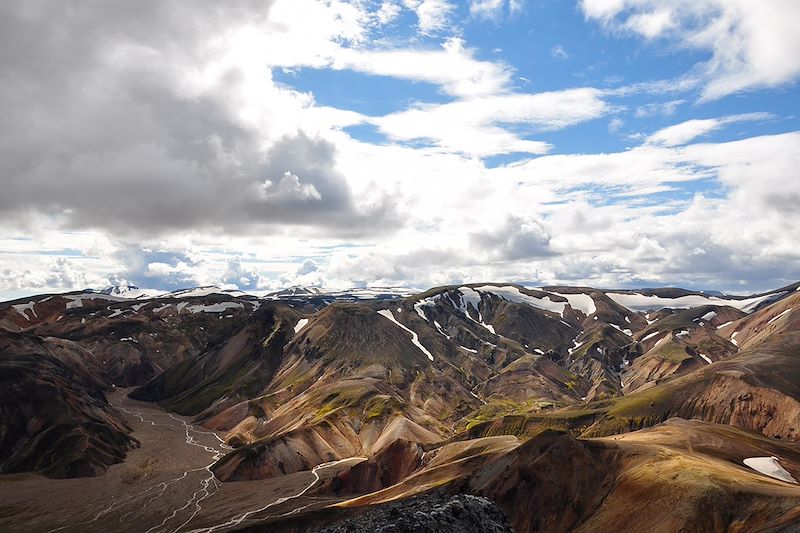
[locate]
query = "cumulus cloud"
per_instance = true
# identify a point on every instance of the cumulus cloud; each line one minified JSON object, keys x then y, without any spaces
{"x":516,"y":239}
{"x":162,"y":269}
{"x":159,"y":128}
{"x":240,"y":275}
{"x":307,"y":267}
{"x":43,"y":274}
{"x":137,"y":120}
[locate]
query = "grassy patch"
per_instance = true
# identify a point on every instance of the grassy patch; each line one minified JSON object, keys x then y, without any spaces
{"x":380,"y":406}
{"x":671,"y":351}
{"x":499,"y":408}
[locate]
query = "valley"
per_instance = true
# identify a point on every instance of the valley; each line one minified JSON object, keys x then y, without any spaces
{"x":164,"y":485}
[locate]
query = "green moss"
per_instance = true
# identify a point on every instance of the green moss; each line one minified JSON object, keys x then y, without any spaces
{"x":275,"y":329}
{"x":347,"y":397}
{"x":380,"y":406}
{"x":671,"y":351}
{"x":497,"y":408}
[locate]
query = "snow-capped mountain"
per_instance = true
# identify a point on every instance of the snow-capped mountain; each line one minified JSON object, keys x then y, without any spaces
{"x":129,"y":291}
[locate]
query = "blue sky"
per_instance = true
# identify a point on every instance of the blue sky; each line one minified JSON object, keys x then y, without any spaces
{"x":614,"y":143}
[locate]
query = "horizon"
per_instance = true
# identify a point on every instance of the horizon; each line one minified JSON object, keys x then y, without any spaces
{"x":413,"y":290}
{"x":262,"y":145}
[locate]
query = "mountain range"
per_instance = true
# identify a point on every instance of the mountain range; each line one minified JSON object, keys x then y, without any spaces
{"x":557,"y":408}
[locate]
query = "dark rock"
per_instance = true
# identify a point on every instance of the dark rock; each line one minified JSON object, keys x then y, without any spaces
{"x":429,"y":513}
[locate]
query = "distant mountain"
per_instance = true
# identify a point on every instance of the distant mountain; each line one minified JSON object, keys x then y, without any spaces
{"x":353,"y":294}
{"x":295,"y":291}
{"x":130,"y":291}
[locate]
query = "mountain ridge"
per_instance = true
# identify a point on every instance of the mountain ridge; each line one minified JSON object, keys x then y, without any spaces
{"x":414,"y":389}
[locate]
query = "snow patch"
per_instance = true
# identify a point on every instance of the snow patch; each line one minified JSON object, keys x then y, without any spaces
{"x":582,"y":302}
{"x":202,"y":291}
{"x":440,"y":330}
{"x":773,"y":319}
{"x":769,"y":466}
{"x":641,"y":302}
{"x":708,"y":360}
{"x":427,"y":302}
{"x":513,"y":294}
{"x":709,"y":315}
{"x":577,"y":345}
{"x":22,"y":308}
{"x":300,"y":324}
{"x":414,"y":337}
{"x":212,"y":308}
{"x":76,"y":300}
{"x":649,"y":336}
{"x":625,"y":331}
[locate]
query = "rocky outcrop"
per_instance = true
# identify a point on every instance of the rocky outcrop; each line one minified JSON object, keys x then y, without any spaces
{"x":54,"y":418}
{"x":430,"y":513}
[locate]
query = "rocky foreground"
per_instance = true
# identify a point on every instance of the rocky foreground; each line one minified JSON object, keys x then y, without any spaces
{"x":430,"y":513}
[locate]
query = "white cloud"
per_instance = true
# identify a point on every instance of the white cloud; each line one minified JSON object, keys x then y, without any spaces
{"x":752,"y":44}
{"x":433,"y":15}
{"x":658,"y":108}
{"x":453,"y":67}
{"x":474,"y":126}
{"x":494,"y":9}
{"x":652,"y":24}
{"x":289,"y":188}
{"x":240,"y":275}
{"x":197,"y":136}
{"x":691,"y":129}
{"x":387,"y":12}
{"x":584,"y":219}
{"x":491,"y":9}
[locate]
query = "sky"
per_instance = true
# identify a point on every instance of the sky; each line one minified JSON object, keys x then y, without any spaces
{"x":264,"y":144}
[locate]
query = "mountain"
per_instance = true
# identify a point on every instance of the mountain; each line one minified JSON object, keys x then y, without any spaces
{"x":568,"y":407}
{"x":294,"y":291}
{"x":130,"y":291}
